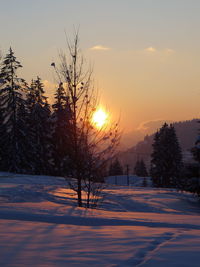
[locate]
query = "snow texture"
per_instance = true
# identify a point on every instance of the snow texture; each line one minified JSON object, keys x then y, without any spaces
{"x":40,"y":225}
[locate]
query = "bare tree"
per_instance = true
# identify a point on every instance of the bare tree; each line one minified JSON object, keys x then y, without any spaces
{"x":91,"y":147}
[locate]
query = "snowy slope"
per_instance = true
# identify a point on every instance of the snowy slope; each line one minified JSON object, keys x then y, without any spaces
{"x":40,"y":225}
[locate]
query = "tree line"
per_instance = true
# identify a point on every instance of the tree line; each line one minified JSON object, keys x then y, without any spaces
{"x":28,"y":124}
{"x":59,"y":138}
{"x":167,"y":168}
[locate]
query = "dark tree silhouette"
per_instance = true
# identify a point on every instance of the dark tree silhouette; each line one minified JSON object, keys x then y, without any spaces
{"x":166,"y":163}
{"x":90,"y":147}
{"x":196,"y":148}
{"x":140,"y":169}
{"x":193,"y":170}
{"x":11,"y":99}
{"x":39,"y":127}
{"x":115,"y":168}
{"x":61,"y":132}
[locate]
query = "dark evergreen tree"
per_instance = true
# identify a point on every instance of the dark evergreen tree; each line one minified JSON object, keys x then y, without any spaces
{"x":193,"y":184}
{"x":3,"y":144}
{"x":61,"y":132}
{"x":191,"y":174}
{"x":196,"y":148}
{"x":166,"y":163}
{"x":115,"y":168}
{"x":11,"y":98}
{"x":39,"y":127}
{"x":140,"y":169}
{"x":24,"y":158}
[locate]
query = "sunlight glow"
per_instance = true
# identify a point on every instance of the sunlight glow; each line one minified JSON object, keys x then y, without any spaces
{"x":99,"y":118}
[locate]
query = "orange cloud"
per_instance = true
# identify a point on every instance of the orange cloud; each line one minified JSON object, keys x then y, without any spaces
{"x":100,"y":48}
{"x":169,"y":51}
{"x":150,"y":49}
{"x":151,"y":125}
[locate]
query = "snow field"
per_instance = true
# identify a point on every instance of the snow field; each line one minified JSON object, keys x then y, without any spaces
{"x":40,"y":225}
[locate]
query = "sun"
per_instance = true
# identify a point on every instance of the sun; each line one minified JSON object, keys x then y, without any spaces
{"x":99,"y":118}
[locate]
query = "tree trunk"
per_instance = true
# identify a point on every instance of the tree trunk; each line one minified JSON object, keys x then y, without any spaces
{"x":79,"y":193}
{"x":88,"y":194}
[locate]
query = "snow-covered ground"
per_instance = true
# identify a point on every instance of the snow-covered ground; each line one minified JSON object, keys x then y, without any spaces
{"x":127,"y":180}
{"x":40,"y":225}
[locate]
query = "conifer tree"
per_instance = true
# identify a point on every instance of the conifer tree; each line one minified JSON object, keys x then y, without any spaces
{"x":115,"y":168}
{"x":3,"y":144}
{"x":39,"y":127}
{"x":140,"y":169}
{"x":166,"y":163}
{"x":23,"y":159}
{"x":196,"y":148}
{"x":11,"y":98}
{"x":193,"y":183}
{"x":61,"y":132}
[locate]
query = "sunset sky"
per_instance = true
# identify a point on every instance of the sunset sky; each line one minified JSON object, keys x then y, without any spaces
{"x":146,"y":53}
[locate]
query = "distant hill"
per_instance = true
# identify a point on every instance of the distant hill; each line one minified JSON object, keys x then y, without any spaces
{"x":186,"y":131}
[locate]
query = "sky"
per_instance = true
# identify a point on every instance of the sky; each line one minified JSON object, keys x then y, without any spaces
{"x":145,"y":53}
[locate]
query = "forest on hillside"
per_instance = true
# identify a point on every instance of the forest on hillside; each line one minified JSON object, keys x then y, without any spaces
{"x":186,"y":132}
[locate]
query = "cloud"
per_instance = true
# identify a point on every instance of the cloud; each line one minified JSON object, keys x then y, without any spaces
{"x":150,"y":49}
{"x":169,"y":50}
{"x":100,"y":48}
{"x":152,"y":125}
